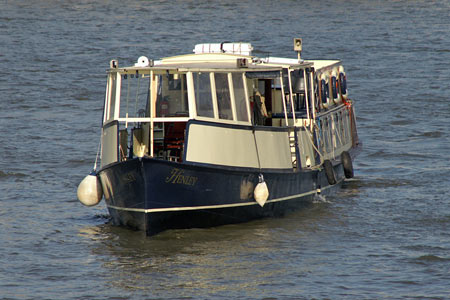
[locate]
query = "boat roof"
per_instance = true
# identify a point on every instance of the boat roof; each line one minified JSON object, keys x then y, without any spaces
{"x":223,"y":60}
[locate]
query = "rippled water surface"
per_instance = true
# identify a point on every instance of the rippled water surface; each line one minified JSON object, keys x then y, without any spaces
{"x":385,"y":235}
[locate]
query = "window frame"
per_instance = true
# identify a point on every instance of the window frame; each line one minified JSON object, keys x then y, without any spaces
{"x":216,"y":118}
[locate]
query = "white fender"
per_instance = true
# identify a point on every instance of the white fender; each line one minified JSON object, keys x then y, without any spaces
{"x":90,"y":191}
{"x":261,"y":192}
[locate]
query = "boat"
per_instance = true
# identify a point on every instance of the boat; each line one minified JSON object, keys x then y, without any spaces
{"x":220,"y":136}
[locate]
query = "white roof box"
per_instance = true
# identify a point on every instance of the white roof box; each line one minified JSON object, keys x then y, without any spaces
{"x":232,"y":48}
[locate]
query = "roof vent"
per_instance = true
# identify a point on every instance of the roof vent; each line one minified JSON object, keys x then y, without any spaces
{"x":230,"y":48}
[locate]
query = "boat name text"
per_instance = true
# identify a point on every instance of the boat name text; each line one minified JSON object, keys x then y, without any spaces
{"x":176,"y":177}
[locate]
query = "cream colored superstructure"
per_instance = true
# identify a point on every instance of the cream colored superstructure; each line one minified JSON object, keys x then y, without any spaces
{"x":227,"y":109}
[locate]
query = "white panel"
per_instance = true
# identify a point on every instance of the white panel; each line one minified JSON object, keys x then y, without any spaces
{"x":274,"y":150}
{"x":221,"y":146}
{"x":236,"y":147}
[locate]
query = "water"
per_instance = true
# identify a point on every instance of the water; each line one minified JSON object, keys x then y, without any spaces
{"x":385,"y":235}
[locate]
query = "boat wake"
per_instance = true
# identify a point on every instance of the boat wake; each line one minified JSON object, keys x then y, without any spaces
{"x":319,"y":198}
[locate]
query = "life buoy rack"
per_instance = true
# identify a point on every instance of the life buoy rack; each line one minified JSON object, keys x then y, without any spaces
{"x":333,"y":87}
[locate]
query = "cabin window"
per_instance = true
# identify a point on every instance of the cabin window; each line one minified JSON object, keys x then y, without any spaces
{"x":172,"y":99}
{"x":298,"y":89}
{"x":203,"y":97}
{"x":223,"y":96}
{"x":134,"y":95}
{"x":239,"y":96}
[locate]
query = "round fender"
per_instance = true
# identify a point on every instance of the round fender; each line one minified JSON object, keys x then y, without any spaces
{"x":90,"y":191}
{"x":347,"y":164}
{"x":261,"y":192}
{"x":329,"y":171}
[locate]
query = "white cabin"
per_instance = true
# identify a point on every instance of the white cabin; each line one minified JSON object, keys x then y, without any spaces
{"x":222,"y":106}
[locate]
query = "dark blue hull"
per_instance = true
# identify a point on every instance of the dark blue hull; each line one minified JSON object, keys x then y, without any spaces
{"x":154,"y":195}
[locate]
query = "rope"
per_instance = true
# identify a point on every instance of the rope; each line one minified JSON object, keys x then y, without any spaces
{"x":96,"y":157}
{"x":330,"y":137}
{"x":256,"y":146}
{"x":336,"y":130}
{"x":312,"y":143}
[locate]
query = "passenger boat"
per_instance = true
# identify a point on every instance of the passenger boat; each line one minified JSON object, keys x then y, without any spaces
{"x":220,"y":136}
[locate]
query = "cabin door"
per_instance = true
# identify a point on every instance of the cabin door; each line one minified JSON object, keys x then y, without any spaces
{"x":262,"y":97}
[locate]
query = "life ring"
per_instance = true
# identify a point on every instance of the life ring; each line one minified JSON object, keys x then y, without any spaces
{"x":334,"y":86}
{"x":347,"y":164}
{"x":324,"y":91}
{"x":343,"y":83}
{"x":329,"y":172}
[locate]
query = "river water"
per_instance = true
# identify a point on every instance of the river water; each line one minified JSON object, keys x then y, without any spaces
{"x":385,"y":235}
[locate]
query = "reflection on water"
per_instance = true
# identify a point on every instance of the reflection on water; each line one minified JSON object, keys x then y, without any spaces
{"x":205,"y":261}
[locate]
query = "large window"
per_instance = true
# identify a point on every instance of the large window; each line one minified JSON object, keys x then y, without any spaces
{"x":239,"y":96}
{"x":172,"y":99}
{"x":223,"y":96}
{"x":213,"y":95}
{"x":134,"y":96}
{"x":203,"y":98}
